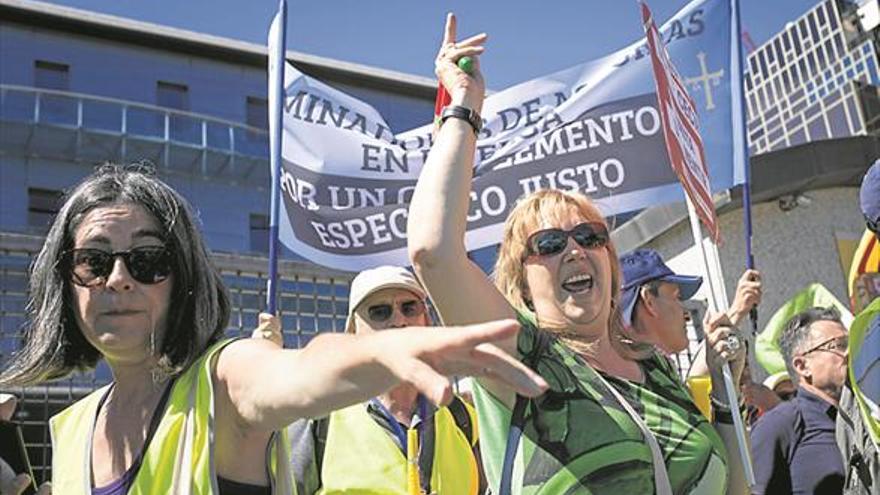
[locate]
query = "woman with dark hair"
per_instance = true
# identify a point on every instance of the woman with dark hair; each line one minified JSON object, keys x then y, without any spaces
{"x":617,"y":418}
{"x":125,"y":276}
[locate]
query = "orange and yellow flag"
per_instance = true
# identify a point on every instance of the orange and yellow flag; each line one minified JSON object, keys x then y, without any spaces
{"x":862,"y":281}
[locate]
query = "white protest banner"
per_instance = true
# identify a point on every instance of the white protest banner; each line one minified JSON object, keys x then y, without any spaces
{"x":347,"y":178}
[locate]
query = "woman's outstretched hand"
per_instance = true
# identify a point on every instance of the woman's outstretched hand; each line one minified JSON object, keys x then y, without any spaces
{"x":426,"y":357}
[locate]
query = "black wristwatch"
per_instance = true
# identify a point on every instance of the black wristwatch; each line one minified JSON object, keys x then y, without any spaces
{"x":459,"y":112}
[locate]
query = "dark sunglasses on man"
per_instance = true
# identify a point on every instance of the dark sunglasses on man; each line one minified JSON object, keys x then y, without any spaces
{"x":380,"y":313}
{"x":550,"y":242}
{"x":90,"y":267}
{"x":837,"y":345}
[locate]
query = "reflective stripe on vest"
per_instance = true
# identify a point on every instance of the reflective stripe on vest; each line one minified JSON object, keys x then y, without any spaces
{"x":360,"y":457}
{"x":180,"y":457}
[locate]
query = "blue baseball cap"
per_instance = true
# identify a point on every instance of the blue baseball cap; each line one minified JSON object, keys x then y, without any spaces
{"x":644,"y":265}
{"x":869,"y":194}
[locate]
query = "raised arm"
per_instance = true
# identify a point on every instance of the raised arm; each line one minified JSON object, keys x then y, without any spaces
{"x":266,"y":388}
{"x":748,"y":295}
{"x":460,"y":291}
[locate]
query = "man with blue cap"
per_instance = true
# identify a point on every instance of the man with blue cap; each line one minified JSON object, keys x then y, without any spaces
{"x":652,"y":295}
{"x":651,"y":298}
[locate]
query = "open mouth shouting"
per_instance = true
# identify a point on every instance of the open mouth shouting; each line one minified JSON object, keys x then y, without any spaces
{"x":578,"y":283}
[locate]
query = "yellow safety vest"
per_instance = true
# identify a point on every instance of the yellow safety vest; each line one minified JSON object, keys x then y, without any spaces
{"x":361,"y":458}
{"x":180,"y":456}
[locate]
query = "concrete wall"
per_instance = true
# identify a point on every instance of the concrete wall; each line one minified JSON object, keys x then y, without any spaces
{"x":792,"y":249}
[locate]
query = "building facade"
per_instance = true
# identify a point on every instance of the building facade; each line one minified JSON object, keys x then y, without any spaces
{"x":816,"y":79}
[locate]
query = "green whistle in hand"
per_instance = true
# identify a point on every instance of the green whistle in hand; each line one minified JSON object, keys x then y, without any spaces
{"x":466,"y":64}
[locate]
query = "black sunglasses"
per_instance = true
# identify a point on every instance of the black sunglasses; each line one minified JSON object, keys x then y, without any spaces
{"x":549,"y":242}
{"x":380,"y":313}
{"x":90,"y":267}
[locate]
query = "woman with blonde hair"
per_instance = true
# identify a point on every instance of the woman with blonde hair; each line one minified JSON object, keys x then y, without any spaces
{"x":616,"y":416}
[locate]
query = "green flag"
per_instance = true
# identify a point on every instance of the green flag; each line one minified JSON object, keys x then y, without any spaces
{"x":767,"y":350}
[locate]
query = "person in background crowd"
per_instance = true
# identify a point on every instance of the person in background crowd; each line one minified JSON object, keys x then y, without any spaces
{"x":365,"y":447}
{"x":793,"y":444}
{"x":858,"y":423}
{"x":124,"y":275}
{"x":653,"y":313}
{"x":652,"y":295}
{"x":762,"y":397}
{"x":781,"y":384}
{"x":557,"y":270}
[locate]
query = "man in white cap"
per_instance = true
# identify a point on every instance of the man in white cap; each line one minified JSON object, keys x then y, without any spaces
{"x":397,"y":442}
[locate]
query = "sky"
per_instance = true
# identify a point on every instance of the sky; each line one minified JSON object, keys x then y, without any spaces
{"x":527,"y":39}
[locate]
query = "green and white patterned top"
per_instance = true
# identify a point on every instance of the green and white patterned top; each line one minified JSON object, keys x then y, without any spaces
{"x":577,"y":439}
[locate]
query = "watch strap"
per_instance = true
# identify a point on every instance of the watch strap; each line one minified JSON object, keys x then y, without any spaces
{"x":459,"y":112}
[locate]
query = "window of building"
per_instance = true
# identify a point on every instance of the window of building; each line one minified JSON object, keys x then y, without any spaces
{"x":780,"y":57}
{"x":832,"y":16}
{"x":43,"y":205}
{"x":172,"y":95}
{"x":257,"y":112}
{"x":259,"y":228}
{"x":820,"y":15}
{"x":54,"y":109}
{"x":764,"y":73}
{"x":176,"y":96}
{"x":256,"y":115}
{"x":814,"y":32}
{"x":51,"y":75}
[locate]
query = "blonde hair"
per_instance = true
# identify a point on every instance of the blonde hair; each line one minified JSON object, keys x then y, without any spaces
{"x":509,"y":272}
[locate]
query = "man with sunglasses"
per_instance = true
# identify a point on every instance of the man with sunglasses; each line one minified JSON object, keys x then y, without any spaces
{"x":793,"y":445}
{"x":397,"y":439}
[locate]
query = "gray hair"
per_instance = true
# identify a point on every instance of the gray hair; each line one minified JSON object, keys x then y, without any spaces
{"x":53,"y":344}
{"x":796,"y":334}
